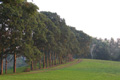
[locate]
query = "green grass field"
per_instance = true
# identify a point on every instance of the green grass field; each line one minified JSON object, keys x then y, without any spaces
{"x":85,"y":70}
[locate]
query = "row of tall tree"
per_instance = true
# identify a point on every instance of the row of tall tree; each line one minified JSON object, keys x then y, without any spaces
{"x":41,"y":37}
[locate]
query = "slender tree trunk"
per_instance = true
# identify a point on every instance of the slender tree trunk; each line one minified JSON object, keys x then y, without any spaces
{"x":1,"y":62}
{"x":59,"y":60}
{"x":35,"y":65}
{"x":55,"y":59}
{"x":40,"y":63}
{"x":50,"y":60}
{"x":1,"y":65}
{"x":69,"y":59}
{"x":44,"y":61}
{"x":32,"y":65}
{"x":65,"y":59}
{"x":6,"y":64}
{"x":14,"y":66}
{"x":47,"y":62}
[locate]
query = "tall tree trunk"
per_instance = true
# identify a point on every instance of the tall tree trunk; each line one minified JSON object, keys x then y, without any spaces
{"x":44,"y":61}
{"x":40,"y":63}
{"x":55,"y":59}
{"x":50,"y":60}
{"x":35,"y":65}
{"x":1,"y":71}
{"x":65,"y":59}
{"x":59,"y":60}
{"x":1,"y":62}
{"x":14,"y":66}
{"x":47,"y":61}
{"x":32,"y":65}
{"x":6,"y":64}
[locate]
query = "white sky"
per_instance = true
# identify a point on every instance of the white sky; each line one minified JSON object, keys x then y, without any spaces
{"x":98,"y":18}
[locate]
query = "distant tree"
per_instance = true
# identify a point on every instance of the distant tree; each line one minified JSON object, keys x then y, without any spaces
{"x":101,"y":49}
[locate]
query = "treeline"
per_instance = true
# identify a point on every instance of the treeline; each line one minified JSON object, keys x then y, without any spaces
{"x":41,"y":37}
{"x":105,"y":49}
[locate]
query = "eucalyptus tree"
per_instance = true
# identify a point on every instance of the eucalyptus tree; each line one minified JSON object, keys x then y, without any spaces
{"x":6,"y":27}
{"x":52,"y":36}
{"x":28,"y":23}
{"x":101,"y":49}
{"x":83,"y":42}
{"x":12,"y":17}
{"x":63,"y":30}
{"x":72,"y":44}
{"x":39,"y":36}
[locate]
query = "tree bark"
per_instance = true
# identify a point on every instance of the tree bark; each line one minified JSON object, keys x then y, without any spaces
{"x":59,"y":60}
{"x":40,"y":63}
{"x":31,"y":65}
{"x":1,"y":66}
{"x":14,"y":66}
{"x":65,"y":59}
{"x":1,"y":62}
{"x":47,"y":62}
{"x":50,"y":60}
{"x":35,"y":65}
{"x":6,"y":64}
{"x":44,"y":61}
{"x":55,"y":59}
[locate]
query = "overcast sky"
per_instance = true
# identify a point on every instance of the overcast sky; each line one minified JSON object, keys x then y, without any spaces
{"x":98,"y":18}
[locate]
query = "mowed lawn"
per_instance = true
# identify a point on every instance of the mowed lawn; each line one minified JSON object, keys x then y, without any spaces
{"x":85,"y":70}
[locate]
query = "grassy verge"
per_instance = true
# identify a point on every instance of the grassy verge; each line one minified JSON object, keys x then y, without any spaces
{"x":86,"y":70}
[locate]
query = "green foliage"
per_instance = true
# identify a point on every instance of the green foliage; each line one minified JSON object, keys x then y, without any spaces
{"x":11,"y":1}
{"x":27,"y":32}
{"x":69,"y":41}
{"x":16,"y":27}
{"x":29,"y":8}
{"x":106,"y":49}
{"x":101,"y":51}
{"x":83,"y":42}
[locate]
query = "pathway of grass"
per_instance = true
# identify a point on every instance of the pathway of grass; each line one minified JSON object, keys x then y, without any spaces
{"x":86,"y":70}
